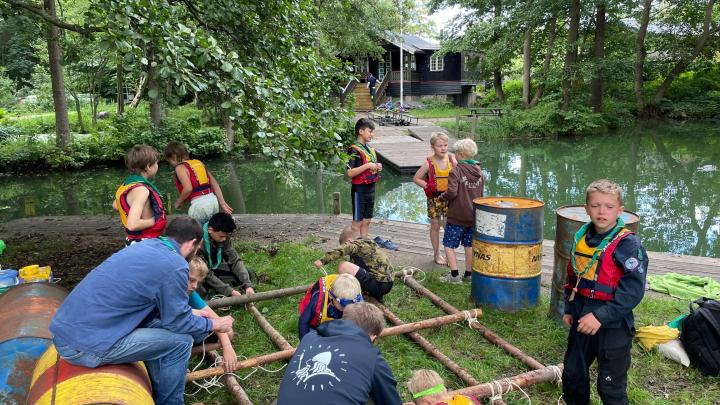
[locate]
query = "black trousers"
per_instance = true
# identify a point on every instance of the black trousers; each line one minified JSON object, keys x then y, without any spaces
{"x":611,"y":347}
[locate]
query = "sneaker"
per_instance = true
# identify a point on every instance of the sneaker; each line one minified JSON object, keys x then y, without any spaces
{"x":449,"y":278}
{"x":467,"y":279}
{"x":386,"y":243}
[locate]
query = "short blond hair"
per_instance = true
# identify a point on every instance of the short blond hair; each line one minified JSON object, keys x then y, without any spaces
{"x":199,"y":267}
{"x":465,"y":147}
{"x":438,"y":136}
{"x":604,"y":186}
{"x":348,"y":233}
{"x":367,"y":316}
{"x":346,"y":286}
{"x":422,"y":380}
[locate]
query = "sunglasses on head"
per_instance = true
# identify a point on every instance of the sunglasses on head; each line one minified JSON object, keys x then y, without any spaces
{"x":344,"y":301}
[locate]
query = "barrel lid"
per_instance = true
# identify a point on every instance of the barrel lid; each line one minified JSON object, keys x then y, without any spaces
{"x":508,"y":202}
{"x":577,"y":213}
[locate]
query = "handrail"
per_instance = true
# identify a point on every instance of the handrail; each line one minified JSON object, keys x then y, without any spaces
{"x":408,"y":75}
{"x":380,"y":92}
{"x":349,"y":87}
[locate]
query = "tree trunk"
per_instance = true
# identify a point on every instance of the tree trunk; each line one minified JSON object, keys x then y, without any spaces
{"x":81,"y":124}
{"x":139,"y":91}
{"x":640,"y":53}
{"x":571,"y":54}
{"x":156,"y":109}
{"x":94,"y":100}
{"x":120,"y":88}
{"x":497,"y":73}
{"x":62,"y":123}
{"x":229,"y":131}
{"x":527,"y":43}
{"x":683,"y":63}
{"x":596,"y":85}
{"x":552,"y":26}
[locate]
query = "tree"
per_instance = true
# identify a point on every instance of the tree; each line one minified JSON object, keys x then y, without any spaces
{"x":641,"y":54}
{"x":596,"y":86}
{"x":571,"y":53}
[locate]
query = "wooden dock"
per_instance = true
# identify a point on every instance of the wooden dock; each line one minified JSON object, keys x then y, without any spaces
{"x":404,"y":153}
{"x":412,"y":239}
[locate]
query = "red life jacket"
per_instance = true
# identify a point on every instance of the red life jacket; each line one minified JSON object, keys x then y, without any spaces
{"x":199,"y":179}
{"x":435,"y":187}
{"x":601,"y":280}
{"x":155,"y":204}
{"x":366,"y":177}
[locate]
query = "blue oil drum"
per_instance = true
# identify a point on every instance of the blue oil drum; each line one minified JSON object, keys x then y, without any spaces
{"x":25,"y":314}
{"x":507,"y":252}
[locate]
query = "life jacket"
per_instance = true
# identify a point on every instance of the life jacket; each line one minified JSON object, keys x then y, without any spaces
{"x":601,"y":279}
{"x":199,"y":178}
{"x":319,"y":313}
{"x":459,"y":400}
{"x":155,"y":204}
{"x":368,"y":155}
{"x":437,"y":179}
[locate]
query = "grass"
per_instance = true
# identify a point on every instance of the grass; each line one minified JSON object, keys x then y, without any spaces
{"x":652,"y":378}
{"x":439,"y":112}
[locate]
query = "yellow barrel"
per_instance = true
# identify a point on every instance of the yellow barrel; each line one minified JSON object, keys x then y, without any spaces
{"x":57,"y":382}
{"x":510,"y":261}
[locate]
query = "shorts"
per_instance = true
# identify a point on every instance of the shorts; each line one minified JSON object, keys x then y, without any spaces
{"x":374,"y":288}
{"x":456,"y":233}
{"x":363,"y":205}
{"x":436,"y":209}
{"x":203,"y":207}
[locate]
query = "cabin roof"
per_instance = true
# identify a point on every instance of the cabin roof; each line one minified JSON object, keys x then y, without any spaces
{"x":412,"y":43}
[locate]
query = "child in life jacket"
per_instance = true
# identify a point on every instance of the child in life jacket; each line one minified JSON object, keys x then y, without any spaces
{"x":195,"y":183}
{"x":605,"y":281}
{"x":138,"y":200}
{"x":428,"y":388}
{"x":364,"y":171}
{"x":432,"y":177}
{"x":326,"y":299}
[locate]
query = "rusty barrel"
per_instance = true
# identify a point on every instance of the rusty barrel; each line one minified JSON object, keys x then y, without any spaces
{"x":507,"y":252}
{"x":569,"y":220}
{"x":56,"y":382}
{"x":25,"y":314}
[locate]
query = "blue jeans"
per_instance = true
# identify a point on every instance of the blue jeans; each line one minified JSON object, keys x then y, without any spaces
{"x":165,"y":354}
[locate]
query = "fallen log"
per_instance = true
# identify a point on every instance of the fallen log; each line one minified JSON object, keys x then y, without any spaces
{"x":232,"y":384}
{"x":261,"y":296}
{"x":277,"y":338}
{"x":487,"y":333}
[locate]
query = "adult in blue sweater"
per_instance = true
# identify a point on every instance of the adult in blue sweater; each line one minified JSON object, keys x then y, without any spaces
{"x":338,"y":364}
{"x":108,"y":317}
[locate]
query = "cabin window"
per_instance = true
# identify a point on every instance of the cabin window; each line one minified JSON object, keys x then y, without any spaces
{"x":437,"y":63}
{"x":466,"y":63}
{"x":409,"y":61}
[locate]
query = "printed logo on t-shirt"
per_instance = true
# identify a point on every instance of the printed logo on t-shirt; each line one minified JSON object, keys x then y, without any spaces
{"x":318,"y":368}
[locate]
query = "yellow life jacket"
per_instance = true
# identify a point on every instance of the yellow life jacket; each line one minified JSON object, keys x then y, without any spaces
{"x":441,"y":175}
{"x":602,"y":277}
{"x":329,"y":280}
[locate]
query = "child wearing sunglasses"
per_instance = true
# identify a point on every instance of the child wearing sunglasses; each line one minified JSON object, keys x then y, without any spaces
{"x":326,"y":299}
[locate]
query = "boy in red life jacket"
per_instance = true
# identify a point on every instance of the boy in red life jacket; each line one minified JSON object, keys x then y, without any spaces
{"x":465,"y":183}
{"x":195,"y":183}
{"x":326,"y":299}
{"x":605,"y":281}
{"x":138,"y":200}
{"x":364,"y":171}
{"x":432,"y":176}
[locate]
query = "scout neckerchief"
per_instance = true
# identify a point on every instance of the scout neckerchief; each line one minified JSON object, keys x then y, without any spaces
{"x":598,"y":250}
{"x":468,"y":161}
{"x":167,"y":243}
{"x":206,"y":239}
{"x":430,"y":391}
{"x":136,"y":178}
{"x":369,"y":152}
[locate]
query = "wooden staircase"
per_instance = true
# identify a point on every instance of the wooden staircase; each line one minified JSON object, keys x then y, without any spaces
{"x":363,"y":101}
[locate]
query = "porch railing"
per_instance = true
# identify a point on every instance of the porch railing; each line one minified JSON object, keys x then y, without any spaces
{"x":408,"y":75}
{"x":349,"y":87}
{"x":380,"y":91}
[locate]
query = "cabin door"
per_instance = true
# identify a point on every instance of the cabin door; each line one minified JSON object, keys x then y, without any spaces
{"x":384,"y":66}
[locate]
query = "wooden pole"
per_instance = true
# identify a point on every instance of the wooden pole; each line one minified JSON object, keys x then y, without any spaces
{"x":505,"y":385}
{"x":336,"y":203}
{"x":487,"y":333}
{"x":429,"y":347}
{"x":457,"y":126}
{"x":232,"y":384}
{"x":474,"y":127}
{"x":429,"y":323}
{"x":198,"y":350}
{"x":261,"y":296}
{"x":272,"y":333}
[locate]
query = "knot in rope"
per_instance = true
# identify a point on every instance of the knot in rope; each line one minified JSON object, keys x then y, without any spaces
{"x":470,"y":318}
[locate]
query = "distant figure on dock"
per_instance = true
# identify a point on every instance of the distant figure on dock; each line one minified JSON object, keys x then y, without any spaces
{"x":432,"y":177}
{"x":605,"y":281}
{"x":465,"y":184}
{"x":364,"y":171}
{"x":195,"y":183}
{"x":138,"y":200}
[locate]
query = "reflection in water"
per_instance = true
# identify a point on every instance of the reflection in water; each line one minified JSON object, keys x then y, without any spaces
{"x":669,"y":173}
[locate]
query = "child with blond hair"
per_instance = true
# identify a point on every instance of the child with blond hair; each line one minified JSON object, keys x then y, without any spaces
{"x":428,"y":388}
{"x":326,"y":299}
{"x":432,"y":177}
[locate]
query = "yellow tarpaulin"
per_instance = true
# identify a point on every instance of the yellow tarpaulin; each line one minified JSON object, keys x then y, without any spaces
{"x":651,"y":336}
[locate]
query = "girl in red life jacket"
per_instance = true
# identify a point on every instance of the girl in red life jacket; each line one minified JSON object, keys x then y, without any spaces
{"x":195,"y":184}
{"x":432,"y":176}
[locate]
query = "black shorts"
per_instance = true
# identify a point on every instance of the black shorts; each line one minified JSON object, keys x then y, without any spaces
{"x":363,"y":204}
{"x":374,"y":288}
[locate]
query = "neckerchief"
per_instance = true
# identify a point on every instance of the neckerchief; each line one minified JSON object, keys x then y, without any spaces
{"x":167,"y":243}
{"x":206,"y":239}
{"x":136,"y":178}
{"x":369,"y":152}
{"x":468,"y":161}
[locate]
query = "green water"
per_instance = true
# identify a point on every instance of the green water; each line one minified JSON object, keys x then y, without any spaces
{"x":670,"y":173}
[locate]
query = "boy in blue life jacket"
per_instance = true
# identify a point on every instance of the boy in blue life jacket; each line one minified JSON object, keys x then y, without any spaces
{"x":326,"y":299}
{"x":605,"y":281}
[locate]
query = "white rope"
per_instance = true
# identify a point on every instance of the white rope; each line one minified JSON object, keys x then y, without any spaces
{"x":558,"y":375}
{"x":512,"y":384}
{"x":470,"y":318}
{"x":323,"y":270}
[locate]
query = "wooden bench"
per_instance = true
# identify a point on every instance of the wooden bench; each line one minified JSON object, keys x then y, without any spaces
{"x":485,"y":112}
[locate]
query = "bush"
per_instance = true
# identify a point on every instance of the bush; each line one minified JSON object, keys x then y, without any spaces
{"x":436,"y":103}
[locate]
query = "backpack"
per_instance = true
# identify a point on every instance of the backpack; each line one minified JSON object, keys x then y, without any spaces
{"x":701,"y":336}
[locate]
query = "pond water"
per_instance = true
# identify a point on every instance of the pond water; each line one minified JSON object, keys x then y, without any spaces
{"x":670,"y":173}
